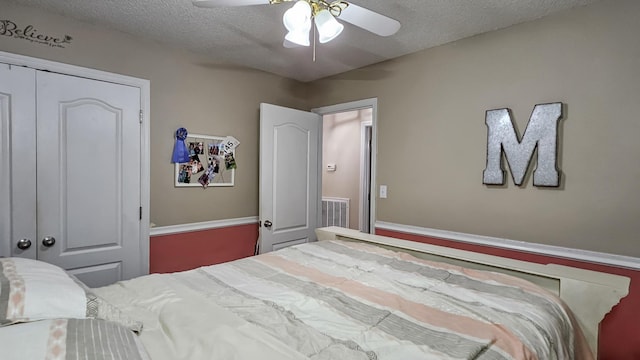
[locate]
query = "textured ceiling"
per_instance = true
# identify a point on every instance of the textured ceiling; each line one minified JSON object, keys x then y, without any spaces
{"x":252,"y":36}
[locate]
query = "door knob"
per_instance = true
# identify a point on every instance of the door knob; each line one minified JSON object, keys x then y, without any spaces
{"x":268,"y":224}
{"x":24,"y":244}
{"x":48,"y":241}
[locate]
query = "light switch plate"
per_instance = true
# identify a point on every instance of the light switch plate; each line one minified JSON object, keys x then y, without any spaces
{"x":383,"y":191}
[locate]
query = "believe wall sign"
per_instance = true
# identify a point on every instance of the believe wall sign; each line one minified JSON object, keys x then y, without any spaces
{"x":541,"y":133}
{"x":30,"y":33}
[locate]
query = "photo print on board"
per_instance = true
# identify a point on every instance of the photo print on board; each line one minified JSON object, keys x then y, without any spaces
{"x":211,"y":162}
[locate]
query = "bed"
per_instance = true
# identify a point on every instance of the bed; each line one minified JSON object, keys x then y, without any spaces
{"x":354,"y":296}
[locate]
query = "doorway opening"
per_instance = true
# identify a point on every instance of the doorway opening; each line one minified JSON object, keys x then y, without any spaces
{"x":348,"y":165}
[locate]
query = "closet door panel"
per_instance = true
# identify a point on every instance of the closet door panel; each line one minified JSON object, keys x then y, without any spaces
{"x":99,"y":274}
{"x":88,"y":135}
{"x":17,"y":160}
{"x":90,"y":162}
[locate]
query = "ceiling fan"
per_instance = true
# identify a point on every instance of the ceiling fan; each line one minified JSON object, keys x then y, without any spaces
{"x":298,"y":19}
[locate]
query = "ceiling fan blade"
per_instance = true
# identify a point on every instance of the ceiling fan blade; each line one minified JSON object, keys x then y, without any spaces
{"x":227,"y":3}
{"x":369,"y":20}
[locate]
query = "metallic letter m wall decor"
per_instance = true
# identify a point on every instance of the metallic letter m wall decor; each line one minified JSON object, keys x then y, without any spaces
{"x":541,"y":132}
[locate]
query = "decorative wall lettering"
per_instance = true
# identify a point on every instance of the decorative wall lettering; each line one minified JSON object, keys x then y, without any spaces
{"x":541,"y":133}
{"x":30,"y":33}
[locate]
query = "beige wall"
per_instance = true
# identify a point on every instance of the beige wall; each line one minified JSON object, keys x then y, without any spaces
{"x":431,"y":131}
{"x":341,"y":146}
{"x":186,"y":90}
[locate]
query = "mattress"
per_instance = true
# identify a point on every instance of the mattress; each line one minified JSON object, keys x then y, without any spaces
{"x":345,"y":300}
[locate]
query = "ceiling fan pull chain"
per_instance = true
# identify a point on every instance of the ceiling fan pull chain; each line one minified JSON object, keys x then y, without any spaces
{"x":314,"y":44}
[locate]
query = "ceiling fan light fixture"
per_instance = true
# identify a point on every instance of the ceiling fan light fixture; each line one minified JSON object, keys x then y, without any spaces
{"x":300,"y":37}
{"x":328,"y":27}
{"x":297,"y":16}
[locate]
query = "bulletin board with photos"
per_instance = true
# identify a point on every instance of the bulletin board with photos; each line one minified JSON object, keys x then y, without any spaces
{"x":211,"y":162}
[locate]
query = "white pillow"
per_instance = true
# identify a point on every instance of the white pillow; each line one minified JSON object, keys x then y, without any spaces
{"x":70,"y":339}
{"x":35,"y":290}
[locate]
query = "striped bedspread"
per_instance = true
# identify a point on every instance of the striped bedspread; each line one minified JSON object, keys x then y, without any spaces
{"x":343,"y":300}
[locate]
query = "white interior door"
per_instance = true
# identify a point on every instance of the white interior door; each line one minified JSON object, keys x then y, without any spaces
{"x":289,"y":176}
{"x":17,"y":161}
{"x":88,"y":166}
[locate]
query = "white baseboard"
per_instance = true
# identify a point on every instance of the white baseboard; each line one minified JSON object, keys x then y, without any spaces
{"x":542,"y":249}
{"x":207,"y":225}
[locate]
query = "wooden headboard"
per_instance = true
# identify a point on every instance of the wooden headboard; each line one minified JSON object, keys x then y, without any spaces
{"x":589,"y":294}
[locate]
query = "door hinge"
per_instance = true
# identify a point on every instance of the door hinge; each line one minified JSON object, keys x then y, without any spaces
{"x":141,"y":116}
{"x":140,"y":212}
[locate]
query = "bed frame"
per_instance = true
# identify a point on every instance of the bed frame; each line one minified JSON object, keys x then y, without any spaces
{"x":589,"y":294}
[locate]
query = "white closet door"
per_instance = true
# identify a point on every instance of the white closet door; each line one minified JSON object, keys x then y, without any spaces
{"x":17,"y":160}
{"x":88,"y":166}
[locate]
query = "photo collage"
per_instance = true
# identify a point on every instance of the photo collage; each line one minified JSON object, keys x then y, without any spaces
{"x":209,"y":163}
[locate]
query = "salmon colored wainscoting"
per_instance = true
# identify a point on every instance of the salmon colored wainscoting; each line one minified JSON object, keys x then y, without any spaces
{"x":620,"y":329}
{"x":178,"y":248}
